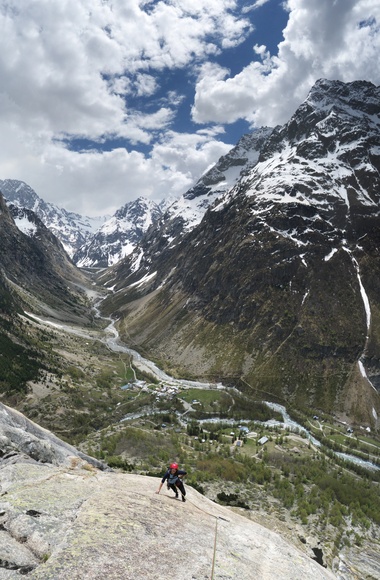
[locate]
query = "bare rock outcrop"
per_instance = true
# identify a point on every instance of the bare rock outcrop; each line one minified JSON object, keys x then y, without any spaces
{"x":79,"y":523}
{"x":63,"y":517}
{"x":20,"y":436}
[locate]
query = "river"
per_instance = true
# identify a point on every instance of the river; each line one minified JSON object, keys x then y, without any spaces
{"x":113,"y":342}
{"x":145,"y":365}
{"x":293,"y":426}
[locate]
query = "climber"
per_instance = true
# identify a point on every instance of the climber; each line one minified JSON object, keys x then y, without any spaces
{"x":174,"y":480}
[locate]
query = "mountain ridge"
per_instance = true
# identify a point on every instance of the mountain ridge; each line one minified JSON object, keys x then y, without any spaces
{"x":119,"y":235}
{"x":102,"y":242}
{"x":251,"y":291}
{"x":70,"y":228}
{"x":91,"y":242}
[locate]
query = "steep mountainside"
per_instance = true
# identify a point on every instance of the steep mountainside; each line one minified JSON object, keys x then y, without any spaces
{"x":35,"y":262}
{"x":15,"y":348}
{"x":72,"y":229}
{"x":119,"y":235}
{"x":279,"y":283}
{"x":35,"y":275}
{"x":186,"y":212}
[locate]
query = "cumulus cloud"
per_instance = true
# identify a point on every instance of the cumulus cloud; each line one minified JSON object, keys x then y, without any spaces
{"x":99,"y":182}
{"x":65,"y":65}
{"x":335,"y":40}
{"x":70,"y":69}
{"x":254,"y":6}
{"x":91,"y":117}
{"x":189,"y":154}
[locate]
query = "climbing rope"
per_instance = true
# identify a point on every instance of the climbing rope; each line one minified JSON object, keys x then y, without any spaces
{"x":215,"y":535}
{"x":214,"y":552}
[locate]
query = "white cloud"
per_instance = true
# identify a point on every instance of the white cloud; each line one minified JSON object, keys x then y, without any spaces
{"x":69,"y":69}
{"x":254,"y":6}
{"x":189,"y":154}
{"x":63,"y":63}
{"x":98,"y":183}
{"x":337,"y":39}
{"x":76,"y":69}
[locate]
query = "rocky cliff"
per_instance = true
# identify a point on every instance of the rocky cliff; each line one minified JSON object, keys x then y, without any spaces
{"x":61,"y":517}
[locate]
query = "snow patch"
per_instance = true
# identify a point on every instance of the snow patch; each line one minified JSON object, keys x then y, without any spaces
{"x":144,"y":279}
{"x":25,"y":226}
{"x":136,"y":265}
{"x":362,"y":289}
{"x":364,"y":374}
{"x":330,"y":255}
{"x":364,"y":298}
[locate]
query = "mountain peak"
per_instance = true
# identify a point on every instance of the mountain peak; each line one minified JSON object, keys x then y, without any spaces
{"x":70,"y":228}
{"x":119,"y":235}
{"x":360,"y":98}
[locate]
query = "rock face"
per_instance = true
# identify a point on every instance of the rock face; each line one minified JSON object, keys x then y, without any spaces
{"x":114,"y":526}
{"x":33,"y":259}
{"x":279,"y":283}
{"x":119,"y":235}
{"x":20,"y":437}
{"x":60,"y":517}
{"x":77,"y":524}
{"x":72,"y":229}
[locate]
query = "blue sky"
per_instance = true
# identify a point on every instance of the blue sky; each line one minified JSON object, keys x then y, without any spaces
{"x":102,"y":101}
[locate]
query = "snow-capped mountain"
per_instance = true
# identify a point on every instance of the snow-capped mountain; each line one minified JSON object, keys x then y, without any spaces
{"x":188,"y":210}
{"x":221,"y":178}
{"x":119,"y":235}
{"x":70,"y":228}
{"x":279,"y":282}
{"x":102,"y":242}
{"x":179,"y":216}
{"x":36,"y":266}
